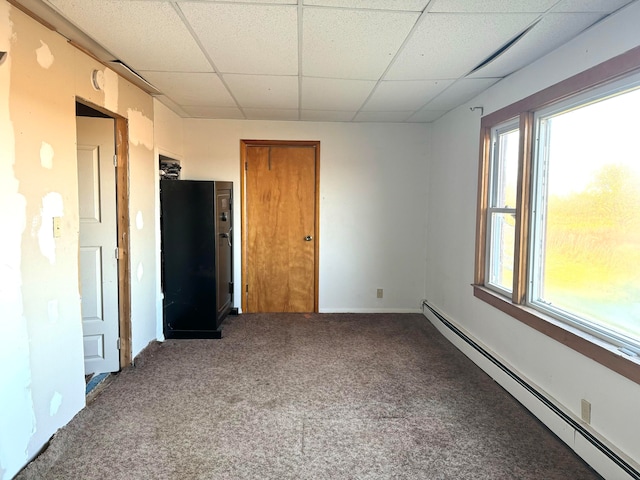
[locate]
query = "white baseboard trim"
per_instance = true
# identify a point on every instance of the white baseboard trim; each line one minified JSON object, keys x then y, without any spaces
{"x":603,"y":457}
{"x":369,"y":310}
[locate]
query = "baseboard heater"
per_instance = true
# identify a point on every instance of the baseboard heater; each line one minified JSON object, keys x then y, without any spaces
{"x":620,"y":462}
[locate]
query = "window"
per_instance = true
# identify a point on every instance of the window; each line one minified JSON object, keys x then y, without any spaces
{"x":502,"y":206}
{"x":585,"y":242}
{"x":558,"y":232}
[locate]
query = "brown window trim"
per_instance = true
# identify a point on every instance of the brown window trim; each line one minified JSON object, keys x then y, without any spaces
{"x":602,"y":352}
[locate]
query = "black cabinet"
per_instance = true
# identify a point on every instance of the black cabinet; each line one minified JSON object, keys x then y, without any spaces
{"x":197,"y":256}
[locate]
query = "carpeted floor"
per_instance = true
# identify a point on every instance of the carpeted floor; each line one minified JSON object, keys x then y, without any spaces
{"x":292,"y":396}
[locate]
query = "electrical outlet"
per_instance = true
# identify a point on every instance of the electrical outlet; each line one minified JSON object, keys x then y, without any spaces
{"x":585,"y":411}
{"x":379,"y":293}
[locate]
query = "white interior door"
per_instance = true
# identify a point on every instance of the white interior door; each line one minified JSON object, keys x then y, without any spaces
{"x":98,"y":242}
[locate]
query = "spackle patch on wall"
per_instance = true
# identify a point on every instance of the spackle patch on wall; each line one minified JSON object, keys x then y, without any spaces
{"x":55,"y":403}
{"x":51,"y":207}
{"x":140,"y":272}
{"x":18,"y":418}
{"x":46,"y":155}
{"x":140,"y":129}
{"x":139,"y":221}
{"x":110,"y":90}
{"x":44,"y":55}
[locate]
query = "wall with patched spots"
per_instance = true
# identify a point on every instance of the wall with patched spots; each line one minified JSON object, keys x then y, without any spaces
{"x":41,"y":349}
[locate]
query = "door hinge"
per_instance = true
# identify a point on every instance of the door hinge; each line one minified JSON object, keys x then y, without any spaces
{"x":115,"y":160}
{"x":246,"y":166}
{"x":117,"y":253}
{"x":231,"y":287}
{"x":246,"y":289}
{"x":118,"y":343}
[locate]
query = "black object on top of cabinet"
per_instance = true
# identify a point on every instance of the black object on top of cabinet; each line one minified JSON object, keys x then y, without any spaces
{"x":197,"y":261}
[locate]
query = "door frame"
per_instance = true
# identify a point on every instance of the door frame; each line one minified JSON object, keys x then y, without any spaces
{"x":121,"y":140}
{"x":244,"y":145}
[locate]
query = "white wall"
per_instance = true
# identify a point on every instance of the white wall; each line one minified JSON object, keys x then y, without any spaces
{"x":559,"y":371}
{"x":41,"y":351}
{"x":372,"y":215}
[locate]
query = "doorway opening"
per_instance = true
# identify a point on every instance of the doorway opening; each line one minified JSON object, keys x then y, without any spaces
{"x":104,"y":270}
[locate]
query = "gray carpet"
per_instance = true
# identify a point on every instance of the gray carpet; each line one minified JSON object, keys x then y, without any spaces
{"x":292,"y":396}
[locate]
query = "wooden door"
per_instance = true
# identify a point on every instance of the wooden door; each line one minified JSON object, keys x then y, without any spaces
{"x":98,"y":241}
{"x":280,"y":226}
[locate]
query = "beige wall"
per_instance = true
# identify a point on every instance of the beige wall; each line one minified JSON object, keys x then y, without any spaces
{"x":41,"y":356}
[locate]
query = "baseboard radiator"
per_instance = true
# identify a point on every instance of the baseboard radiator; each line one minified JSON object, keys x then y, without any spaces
{"x":613,"y":456}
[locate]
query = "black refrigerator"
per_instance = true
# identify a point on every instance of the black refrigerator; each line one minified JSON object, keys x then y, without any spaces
{"x":197,"y":256}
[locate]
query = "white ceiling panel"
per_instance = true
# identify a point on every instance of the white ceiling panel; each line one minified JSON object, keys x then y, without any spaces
{"x":460,"y":92}
{"x":425,"y":116}
{"x":271,"y":114}
{"x":391,"y":117}
{"x":145,"y":35}
{"x":279,"y":2}
{"x":213,"y":112}
{"x":334,"y":94}
{"x":404,"y":95}
{"x":251,"y":39}
{"x":264,"y":91}
{"x":606,"y":6}
{"x":191,"y":88}
{"x":357,"y":44}
{"x":319,"y":60}
{"x":552,"y":31}
{"x":171,"y":105}
{"x":492,"y":6}
{"x":326,"y":116}
{"x":406,"y":5}
{"x":450,"y":45}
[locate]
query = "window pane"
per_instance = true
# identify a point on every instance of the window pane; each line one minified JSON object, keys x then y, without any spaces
{"x":589,"y":251}
{"x":506,"y":169}
{"x":501,"y":256}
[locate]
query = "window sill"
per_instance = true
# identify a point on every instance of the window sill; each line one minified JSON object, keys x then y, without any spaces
{"x":590,"y":346}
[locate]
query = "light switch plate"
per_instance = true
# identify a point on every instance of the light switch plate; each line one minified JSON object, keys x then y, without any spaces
{"x":57,"y":227}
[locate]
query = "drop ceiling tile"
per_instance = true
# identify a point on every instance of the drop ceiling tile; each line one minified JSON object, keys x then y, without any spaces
{"x":326,"y":116}
{"x":407,"y":5}
{"x":213,"y":112}
{"x":391,"y":117}
{"x":492,"y":6}
{"x":606,"y":6}
{"x":270,"y":114}
{"x":451,"y":45}
{"x":404,"y":95}
{"x":280,"y":2}
{"x":171,"y":105}
{"x":426,"y":116}
{"x":356,"y":44}
{"x":264,"y":91}
{"x":145,"y":35}
{"x":191,"y":88}
{"x":552,"y":31}
{"x":334,"y":94}
{"x":460,"y":92}
{"x":251,"y":39}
